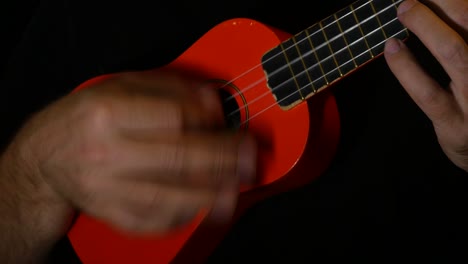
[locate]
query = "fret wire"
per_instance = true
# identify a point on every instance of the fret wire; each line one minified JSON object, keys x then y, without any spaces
{"x":360,"y":29}
{"x":345,"y":40}
{"x":303,"y":64}
{"x":358,"y":40}
{"x":317,"y":31}
{"x":361,"y":54}
{"x":314,"y":49}
{"x":378,"y":44}
{"x":291,"y":70}
{"x":272,"y":105}
{"x":316,"y":56}
{"x":275,"y":55}
{"x":349,"y":13}
{"x":308,"y":37}
{"x":395,"y":5}
{"x":329,"y":47}
{"x":378,"y":19}
{"x":352,"y":12}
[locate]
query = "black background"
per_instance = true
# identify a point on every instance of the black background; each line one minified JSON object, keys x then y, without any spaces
{"x":390,"y":194}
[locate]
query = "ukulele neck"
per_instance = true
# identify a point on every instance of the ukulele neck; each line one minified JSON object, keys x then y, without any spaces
{"x":322,"y":54}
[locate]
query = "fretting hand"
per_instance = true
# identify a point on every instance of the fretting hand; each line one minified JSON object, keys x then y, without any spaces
{"x":443,"y":30}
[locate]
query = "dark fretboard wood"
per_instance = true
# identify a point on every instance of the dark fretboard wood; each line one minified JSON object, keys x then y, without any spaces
{"x":330,"y":49}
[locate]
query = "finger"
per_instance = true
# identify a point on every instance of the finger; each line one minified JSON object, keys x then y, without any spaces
{"x":178,"y":86}
{"x":197,"y":160}
{"x":225,"y":203}
{"x":139,"y":206}
{"x":445,"y":44}
{"x":435,"y":102}
{"x":139,"y":112}
{"x":454,"y":12}
{"x":160,"y":83}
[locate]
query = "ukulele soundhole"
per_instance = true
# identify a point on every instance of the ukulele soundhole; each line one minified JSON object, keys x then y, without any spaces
{"x":231,"y":109}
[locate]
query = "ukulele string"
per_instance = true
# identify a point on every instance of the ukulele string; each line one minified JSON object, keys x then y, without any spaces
{"x":315,"y":65}
{"x":325,"y":45}
{"x":279,"y":54}
{"x":301,"y":88}
{"x":308,"y":53}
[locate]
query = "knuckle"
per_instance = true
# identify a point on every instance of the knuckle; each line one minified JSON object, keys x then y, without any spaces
{"x":96,"y":114}
{"x":455,"y":52}
{"x":94,"y":121}
{"x":461,"y":17}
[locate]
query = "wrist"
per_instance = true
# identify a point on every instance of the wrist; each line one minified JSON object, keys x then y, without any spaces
{"x":33,"y":214}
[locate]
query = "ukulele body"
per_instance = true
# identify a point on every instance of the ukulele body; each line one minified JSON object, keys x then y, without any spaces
{"x":296,"y":146}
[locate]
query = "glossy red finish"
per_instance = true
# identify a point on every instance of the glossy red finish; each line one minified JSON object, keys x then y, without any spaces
{"x":296,"y":146}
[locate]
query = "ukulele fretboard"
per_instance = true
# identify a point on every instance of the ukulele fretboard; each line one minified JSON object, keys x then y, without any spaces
{"x":330,"y":49}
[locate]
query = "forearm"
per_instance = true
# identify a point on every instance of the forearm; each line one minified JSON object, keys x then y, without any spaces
{"x":32,"y":217}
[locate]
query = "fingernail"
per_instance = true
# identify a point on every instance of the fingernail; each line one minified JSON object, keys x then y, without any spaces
{"x":247,"y":161}
{"x":405,"y":6}
{"x":392,"y":46}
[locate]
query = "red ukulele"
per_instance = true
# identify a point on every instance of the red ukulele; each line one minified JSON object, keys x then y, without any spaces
{"x":265,"y":77}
